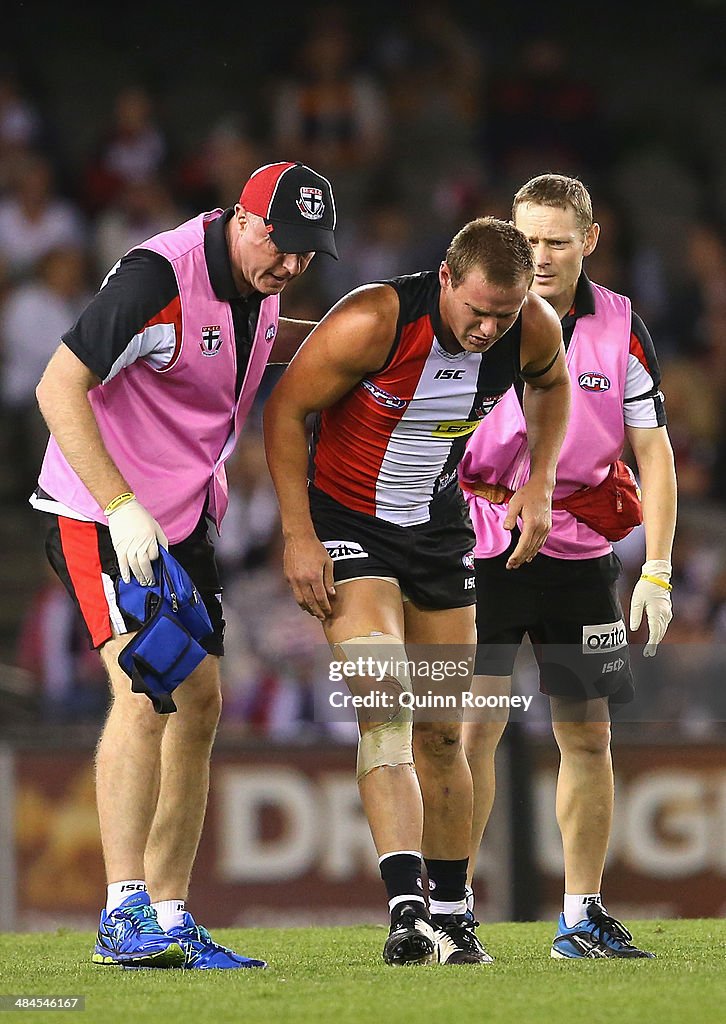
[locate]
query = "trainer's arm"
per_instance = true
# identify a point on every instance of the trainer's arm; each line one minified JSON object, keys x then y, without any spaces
{"x":354,"y":339}
{"x":63,"y":400}
{"x":656,"y":468}
{"x":546,"y":411}
{"x":290,"y":336}
{"x":654,"y":455}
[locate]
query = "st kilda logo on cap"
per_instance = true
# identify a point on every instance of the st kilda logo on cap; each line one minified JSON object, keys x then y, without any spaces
{"x":310,"y":204}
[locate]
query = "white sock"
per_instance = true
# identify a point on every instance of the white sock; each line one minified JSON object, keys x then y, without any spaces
{"x":575,"y":907}
{"x":442,"y":907}
{"x":405,"y":899}
{"x":170,"y":913}
{"x":117,"y":892}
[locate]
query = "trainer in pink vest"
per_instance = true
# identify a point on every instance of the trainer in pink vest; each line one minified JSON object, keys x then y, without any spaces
{"x":497,"y":452}
{"x":170,"y":431}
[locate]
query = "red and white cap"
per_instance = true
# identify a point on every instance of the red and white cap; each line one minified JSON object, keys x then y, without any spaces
{"x":298,"y":204}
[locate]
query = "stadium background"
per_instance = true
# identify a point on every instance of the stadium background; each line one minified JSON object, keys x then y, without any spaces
{"x":116,"y":123}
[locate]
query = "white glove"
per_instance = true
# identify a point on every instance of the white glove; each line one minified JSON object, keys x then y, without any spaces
{"x":655,"y":600}
{"x":136,"y":536}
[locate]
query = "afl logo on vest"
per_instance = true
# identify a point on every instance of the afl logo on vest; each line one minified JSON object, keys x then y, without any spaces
{"x":593,"y":381}
{"x":211,"y":340}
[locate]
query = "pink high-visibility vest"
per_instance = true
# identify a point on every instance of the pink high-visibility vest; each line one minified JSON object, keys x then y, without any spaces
{"x":597,"y":358}
{"x":170,"y":431}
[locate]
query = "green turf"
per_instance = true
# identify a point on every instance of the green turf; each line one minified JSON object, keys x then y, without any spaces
{"x":320,"y":975}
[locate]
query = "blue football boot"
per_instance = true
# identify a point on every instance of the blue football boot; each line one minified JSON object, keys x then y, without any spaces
{"x":598,"y":936}
{"x":131,"y":936}
{"x":202,"y":953}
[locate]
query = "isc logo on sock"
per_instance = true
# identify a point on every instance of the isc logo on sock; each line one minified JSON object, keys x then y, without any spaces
{"x":134,"y":887}
{"x":608,"y":636}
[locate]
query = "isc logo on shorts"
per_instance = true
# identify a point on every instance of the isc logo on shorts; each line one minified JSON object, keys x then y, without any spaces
{"x":341,"y":549}
{"x":609,"y":636}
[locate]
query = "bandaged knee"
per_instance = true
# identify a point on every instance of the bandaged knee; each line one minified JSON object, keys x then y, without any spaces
{"x":388,"y":743}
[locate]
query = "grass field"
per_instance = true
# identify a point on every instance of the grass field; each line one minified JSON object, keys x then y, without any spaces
{"x":320,"y":975}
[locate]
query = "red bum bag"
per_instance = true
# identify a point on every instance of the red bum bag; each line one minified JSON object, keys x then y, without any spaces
{"x":612,"y":508}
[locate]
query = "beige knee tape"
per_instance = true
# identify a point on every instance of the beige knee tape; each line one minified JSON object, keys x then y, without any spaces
{"x":389,"y":743}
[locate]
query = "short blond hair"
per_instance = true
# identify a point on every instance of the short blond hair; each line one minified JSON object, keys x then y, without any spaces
{"x":560,"y":191}
{"x":493,"y":246}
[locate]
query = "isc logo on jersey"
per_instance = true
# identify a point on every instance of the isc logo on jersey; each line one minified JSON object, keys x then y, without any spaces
{"x":592,"y":381}
{"x":449,"y":374}
{"x":608,"y":636}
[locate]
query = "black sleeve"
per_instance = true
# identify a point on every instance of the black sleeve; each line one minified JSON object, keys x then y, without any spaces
{"x":642,"y":347}
{"x":142,"y":285}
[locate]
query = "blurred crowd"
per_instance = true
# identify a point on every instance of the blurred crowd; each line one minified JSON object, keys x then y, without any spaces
{"x":420,"y":129}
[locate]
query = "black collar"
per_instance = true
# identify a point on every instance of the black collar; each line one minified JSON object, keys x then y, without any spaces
{"x":216,"y":254}
{"x":584,"y":302}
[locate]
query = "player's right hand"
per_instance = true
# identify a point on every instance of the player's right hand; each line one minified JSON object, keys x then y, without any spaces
{"x":136,"y":536}
{"x":309,"y":571}
{"x":532,"y":503}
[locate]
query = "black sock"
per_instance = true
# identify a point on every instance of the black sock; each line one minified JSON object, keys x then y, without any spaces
{"x":447,"y":879}
{"x":401,"y":874}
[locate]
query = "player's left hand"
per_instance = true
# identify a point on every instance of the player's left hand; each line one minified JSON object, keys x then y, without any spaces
{"x":652,"y":595}
{"x":533,"y":504}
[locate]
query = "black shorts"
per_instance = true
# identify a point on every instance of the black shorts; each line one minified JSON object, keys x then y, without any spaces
{"x":84,"y":559}
{"x":433,"y":562}
{"x":572,"y":614}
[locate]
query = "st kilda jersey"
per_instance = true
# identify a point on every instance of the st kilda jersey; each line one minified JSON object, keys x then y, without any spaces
{"x":390,"y":446}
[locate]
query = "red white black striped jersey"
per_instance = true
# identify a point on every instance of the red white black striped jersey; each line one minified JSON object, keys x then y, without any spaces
{"x":390,"y":446}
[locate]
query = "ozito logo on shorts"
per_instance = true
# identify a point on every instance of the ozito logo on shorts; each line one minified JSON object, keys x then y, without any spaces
{"x":608,"y":636}
{"x":594,"y":381}
{"x":342,"y":549}
{"x":383,"y":397}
